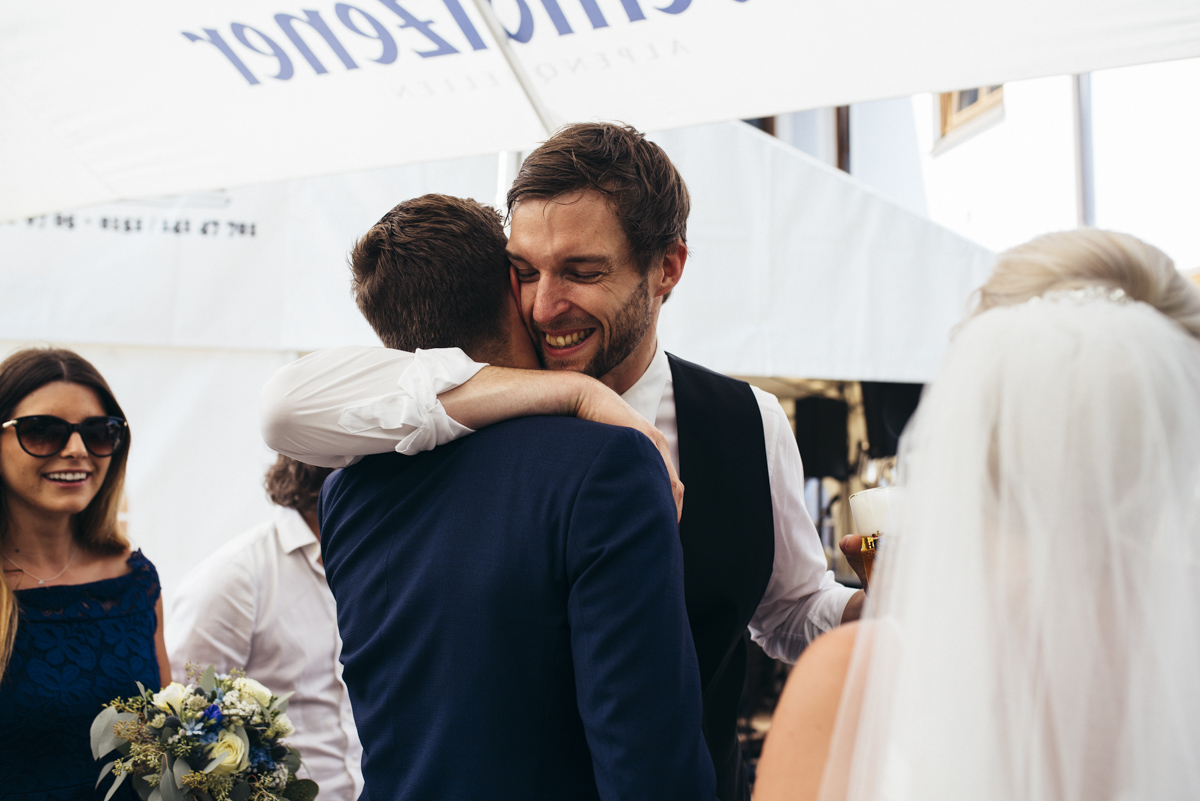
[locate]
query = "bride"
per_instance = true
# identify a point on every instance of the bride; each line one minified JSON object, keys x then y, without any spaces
{"x":1036,"y":630}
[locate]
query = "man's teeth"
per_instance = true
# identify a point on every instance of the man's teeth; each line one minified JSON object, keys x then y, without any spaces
{"x":66,"y":476}
{"x":568,"y":340}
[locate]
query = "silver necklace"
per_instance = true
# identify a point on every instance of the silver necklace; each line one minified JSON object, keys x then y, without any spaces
{"x":41,"y":581}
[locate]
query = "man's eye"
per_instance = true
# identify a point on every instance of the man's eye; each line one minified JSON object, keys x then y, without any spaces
{"x":587,"y":276}
{"x":525,"y":276}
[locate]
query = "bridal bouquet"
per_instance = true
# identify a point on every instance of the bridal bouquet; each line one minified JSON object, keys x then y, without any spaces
{"x":216,"y":739}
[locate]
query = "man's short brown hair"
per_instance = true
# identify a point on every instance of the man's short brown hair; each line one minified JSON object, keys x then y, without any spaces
{"x":433,"y":273}
{"x":642,"y":186}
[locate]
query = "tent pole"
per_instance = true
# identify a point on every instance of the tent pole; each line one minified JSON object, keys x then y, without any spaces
{"x":549,"y":121}
{"x":508,"y":164}
{"x":1085,"y":184}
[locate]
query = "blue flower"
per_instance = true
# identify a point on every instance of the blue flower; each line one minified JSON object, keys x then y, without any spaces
{"x":209,"y":737}
{"x":194,"y":729}
{"x":260,"y":756}
{"x":213,"y":713}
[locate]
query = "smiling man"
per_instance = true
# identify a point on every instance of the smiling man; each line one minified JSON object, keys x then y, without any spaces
{"x":598,"y":242}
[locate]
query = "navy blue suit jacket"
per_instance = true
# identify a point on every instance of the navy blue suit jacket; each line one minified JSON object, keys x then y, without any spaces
{"x":512,"y":616}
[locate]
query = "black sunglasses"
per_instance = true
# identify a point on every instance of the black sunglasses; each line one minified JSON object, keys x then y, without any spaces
{"x":44,"y":435}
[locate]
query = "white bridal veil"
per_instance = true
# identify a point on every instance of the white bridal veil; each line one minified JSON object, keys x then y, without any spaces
{"x":1037,"y":624}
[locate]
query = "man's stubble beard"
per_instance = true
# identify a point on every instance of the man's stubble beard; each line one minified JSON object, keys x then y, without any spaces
{"x":629,"y":328}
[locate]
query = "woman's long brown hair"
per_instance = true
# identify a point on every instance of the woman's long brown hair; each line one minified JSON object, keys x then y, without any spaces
{"x":96,"y":527}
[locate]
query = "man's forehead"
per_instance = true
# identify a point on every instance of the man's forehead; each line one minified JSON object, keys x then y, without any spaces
{"x":575,"y":214}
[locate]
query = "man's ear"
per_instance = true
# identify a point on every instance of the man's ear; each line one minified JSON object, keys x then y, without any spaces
{"x":670,"y":269}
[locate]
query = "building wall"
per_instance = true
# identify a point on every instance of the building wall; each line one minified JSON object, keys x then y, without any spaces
{"x":1012,"y":180}
{"x":1147,"y":144}
{"x":1016,"y":178}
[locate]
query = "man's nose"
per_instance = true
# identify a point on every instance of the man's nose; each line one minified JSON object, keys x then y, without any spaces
{"x":74,"y":449}
{"x":550,"y":300}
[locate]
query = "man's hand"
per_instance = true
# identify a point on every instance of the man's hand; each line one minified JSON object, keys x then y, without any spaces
{"x":502,"y":393}
{"x":598,"y":403}
{"x":852,"y":549}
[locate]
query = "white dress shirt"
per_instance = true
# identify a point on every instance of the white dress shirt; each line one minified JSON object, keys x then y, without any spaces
{"x":260,"y":602}
{"x":332,"y":407}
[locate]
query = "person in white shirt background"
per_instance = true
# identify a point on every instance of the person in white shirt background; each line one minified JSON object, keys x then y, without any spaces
{"x":599,"y":217}
{"x":260,"y":603}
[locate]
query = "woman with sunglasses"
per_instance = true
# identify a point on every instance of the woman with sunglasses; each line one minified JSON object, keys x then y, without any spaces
{"x":80,"y":614}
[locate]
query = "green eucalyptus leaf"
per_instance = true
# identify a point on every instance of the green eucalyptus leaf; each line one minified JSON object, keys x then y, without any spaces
{"x":155,"y":795}
{"x":142,"y":787}
{"x":103,"y":723}
{"x":104,"y":739}
{"x":104,"y":772}
{"x":212,"y":765}
{"x":141,"y":689}
{"x":301,"y":790}
{"x":281,"y":703}
{"x":240,"y":733}
{"x":181,"y":769}
{"x":240,"y":792}
{"x":292,"y":760}
{"x":170,"y":789}
{"x":120,"y":780}
{"x":209,"y":680}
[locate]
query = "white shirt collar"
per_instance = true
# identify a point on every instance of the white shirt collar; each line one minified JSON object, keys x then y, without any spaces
{"x":292,"y":530}
{"x":646,"y":394}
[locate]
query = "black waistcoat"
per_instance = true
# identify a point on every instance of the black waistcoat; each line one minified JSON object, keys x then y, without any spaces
{"x":727,"y":531}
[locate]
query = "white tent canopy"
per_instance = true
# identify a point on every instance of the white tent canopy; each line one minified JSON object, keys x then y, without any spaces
{"x":187,"y":96}
{"x":188,"y":305}
{"x":786,"y":253}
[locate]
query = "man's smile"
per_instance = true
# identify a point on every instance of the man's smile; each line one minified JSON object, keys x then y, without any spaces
{"x":565,"y":340}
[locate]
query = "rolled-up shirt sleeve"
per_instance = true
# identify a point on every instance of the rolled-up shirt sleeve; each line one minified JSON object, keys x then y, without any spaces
{"x":802,"y":600}
{"x":332,"y":407}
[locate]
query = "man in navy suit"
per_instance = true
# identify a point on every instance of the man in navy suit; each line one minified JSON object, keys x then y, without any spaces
{"x":511,"y":604}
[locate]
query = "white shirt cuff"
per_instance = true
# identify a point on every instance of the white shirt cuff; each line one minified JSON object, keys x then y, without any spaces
{"x":415,"y":410}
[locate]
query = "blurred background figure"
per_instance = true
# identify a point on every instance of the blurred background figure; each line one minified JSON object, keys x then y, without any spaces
{"x":260,"y":602}
{"x":1034,"y":631}
{"x":80,"y":613}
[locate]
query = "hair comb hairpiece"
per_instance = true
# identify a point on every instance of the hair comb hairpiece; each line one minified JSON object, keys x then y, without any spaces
{"x":1085,"y":294}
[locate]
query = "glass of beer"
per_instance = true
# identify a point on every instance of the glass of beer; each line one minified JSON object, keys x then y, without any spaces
{"x":876,"y":514}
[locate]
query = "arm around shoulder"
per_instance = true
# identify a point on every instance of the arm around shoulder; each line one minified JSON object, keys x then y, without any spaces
{"x":332,"y":406}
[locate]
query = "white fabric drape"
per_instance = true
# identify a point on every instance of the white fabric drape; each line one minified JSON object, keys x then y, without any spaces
{"x":1037,"y":629}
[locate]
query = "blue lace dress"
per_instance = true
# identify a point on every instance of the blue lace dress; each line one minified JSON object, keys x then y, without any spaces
{"x":76,"y":648}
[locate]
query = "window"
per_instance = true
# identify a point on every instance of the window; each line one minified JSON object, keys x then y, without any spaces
{"x":962,"y":107}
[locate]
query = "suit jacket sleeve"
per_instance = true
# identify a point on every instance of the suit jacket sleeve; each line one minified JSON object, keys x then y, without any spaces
{"x":637,"y":680}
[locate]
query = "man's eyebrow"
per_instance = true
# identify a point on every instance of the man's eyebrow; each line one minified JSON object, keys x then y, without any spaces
{"x":587,"y":259}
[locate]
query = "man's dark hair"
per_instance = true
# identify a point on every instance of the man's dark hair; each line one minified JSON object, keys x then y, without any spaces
{"x":433,"y":273}
{"x":642,"y":186}
{"x":295,"y":485}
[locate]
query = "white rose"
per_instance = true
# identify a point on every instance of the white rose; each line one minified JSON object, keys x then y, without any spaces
{"x":232,"y":751}
{"x":253,"y":689}
{"x":283,"y":725}
{"x":170,"y":698}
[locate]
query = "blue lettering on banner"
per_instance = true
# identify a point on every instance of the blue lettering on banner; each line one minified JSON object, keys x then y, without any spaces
{"x":425,"y":26}
{"x":390,"y":51}
{"x":361,"y":23}
{"x":285,"y":63}
{"x":524,"y":30}
{"x":680,"y":6}
{"x":287,"y":23}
